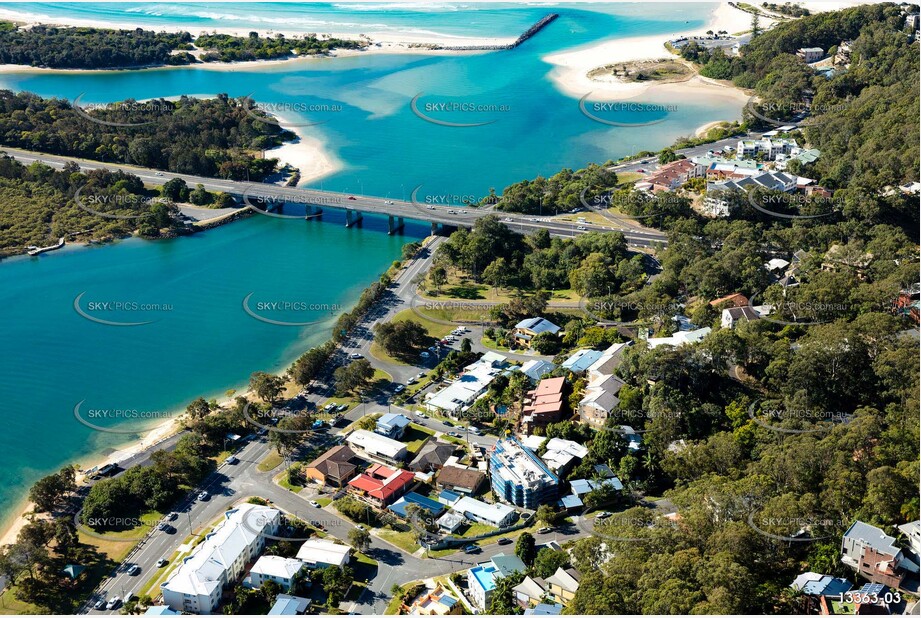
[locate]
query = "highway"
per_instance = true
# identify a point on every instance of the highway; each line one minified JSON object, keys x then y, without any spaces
{"x":255,"y":192}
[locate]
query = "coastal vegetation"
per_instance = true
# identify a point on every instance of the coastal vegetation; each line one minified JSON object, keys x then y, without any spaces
{"x":100,"y":48}
{"x":220,"y":137}
{"x":39,"y":206}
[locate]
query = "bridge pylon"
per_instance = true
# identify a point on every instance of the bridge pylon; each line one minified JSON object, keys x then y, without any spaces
{"x":352,"y":217}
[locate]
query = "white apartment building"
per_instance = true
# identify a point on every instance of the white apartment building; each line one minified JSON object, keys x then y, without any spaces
{"x":218,"y":561}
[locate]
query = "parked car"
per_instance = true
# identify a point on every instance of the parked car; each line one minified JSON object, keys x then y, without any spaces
{"x":603,"y":515}
{"x":342,"y":407}
{"x":421,"y":375}
{"x":314,"y":504}
{"x":162,"y":562}
{"x":545,"y":530}
{"x":329,"y":407}
{"x":113,"y":603}
{"x":232,"y":461}
{"x":355,"y":356}
{"x":411,"y":381}
{"x":400,"y":388}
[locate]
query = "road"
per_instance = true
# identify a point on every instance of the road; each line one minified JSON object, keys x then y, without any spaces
{"x":636,"y":236}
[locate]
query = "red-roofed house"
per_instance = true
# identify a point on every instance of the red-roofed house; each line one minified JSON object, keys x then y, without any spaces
{"x":381,"y":485}
{"x":543,"y":405}
{"x":672,"y":175}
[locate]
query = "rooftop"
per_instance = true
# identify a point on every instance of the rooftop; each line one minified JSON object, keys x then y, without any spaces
{"x":277,"y":566}
{"x":376,"y":444}
{"x":381,"y":482}
{"x":321,"y":551}
{"x":518,"y":464}
{"x":582,"y":360}
{"x":538,"y":325}
{"x":872,"y":537}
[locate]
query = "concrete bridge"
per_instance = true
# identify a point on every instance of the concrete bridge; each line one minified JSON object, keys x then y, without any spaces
{"x":272,"y":199}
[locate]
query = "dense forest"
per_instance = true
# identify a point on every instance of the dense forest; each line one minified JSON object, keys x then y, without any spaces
{"x":39,"y":206}
{"x":90,"y":48}
{"x":218,"y":137}
{"x":99,"y":48}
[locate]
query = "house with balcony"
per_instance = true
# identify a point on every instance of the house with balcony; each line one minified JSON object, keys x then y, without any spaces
{"x":520,"y":477}
{"x":527,"y":329}
{"x":873,"y":555}
{"x":482,"y":578}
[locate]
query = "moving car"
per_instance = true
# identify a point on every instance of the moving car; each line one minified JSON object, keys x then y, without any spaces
{"x":204,"y":496}
{"x":581,"y":227}
{"x":352,"y":197}
{"x":388,"y":202}
{"x":163,"y":526}
{"x":99,"y":604}
{"x":504,"y":541}
{"x":471,"y":549}
{"x":399,"y":389}
{"x":355,"y":356}
{"x":134,"y":569}
{"x":113,"y":603}
{"x":231,"y":460}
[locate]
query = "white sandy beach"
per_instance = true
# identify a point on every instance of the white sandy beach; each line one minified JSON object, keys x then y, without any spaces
{"x":307,"y":153}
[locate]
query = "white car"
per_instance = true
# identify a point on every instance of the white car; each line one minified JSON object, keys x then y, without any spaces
{"x":315,"y":504}
{"x":399,"y":389}
{"x":355,"y":356}
{"x":113,"y":603}
{"x":159,"y":173}
{"x":99,"y":604}
{"x":203,"y":496}
{"x":508,"y":218}
{"x":134,"y":569}
{"x":581,"y":227}
{"x":388,"y":202}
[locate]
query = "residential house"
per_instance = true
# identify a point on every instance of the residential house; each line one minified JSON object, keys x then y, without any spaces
{"x":634,"y":439}
{"x":543,"y":405}
{"x":472,"y":383}
{"x":731,"y":300}
{"x":599,"y":401}
{"x":376,"y":446}
{"x":392,"y":425}
{"x":734,"y":315}
{"x":768,"y":147}
{"x":872,"y":553}
{"x":432,"y":456}
{"x":582,"y":487}
{"x":912,"y":531}
{"x":451,"y":521}
{"x":287,"y":605}
{"x":482,"y":578}
{"x":464,"y":481}
{"x":278,"y":569}
{"x":582,"y":360}
{"x":321,"y":553}
{"x":527,"y":329}
{"x":563,"y":585}
{"x":816,"y":586}
{"x":810,"y":54}
{"x":496,"y":515}
{"x":218,"y":561}
{"x":544,"y":609}
{"x":334,"y":467}
{"x":520,"y":477}
{"x":681,"y":338}
{"x":560,"y":455}
{"x":434,"y":507}
{"x":436,"y":602}
{"x":381,"y":485}
{"x":531,"y":592}
{"x":535,"y":369}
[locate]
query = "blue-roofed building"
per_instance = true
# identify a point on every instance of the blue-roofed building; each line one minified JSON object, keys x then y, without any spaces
{"x":161,"y":610}
{"x":571,"y":502}
{"x":582,"y":360}
{"x":448,"y":497}
{"x":287,"y":605}
{"x":520,"y":477}
{"x":816,"y":584}
{"x":482,"y":578}
{"x":432,"y":506}
{"x":392,"y":425}
{"x":581,"y":487}
{"x":527,"y":329}
{"x":544,"y":609}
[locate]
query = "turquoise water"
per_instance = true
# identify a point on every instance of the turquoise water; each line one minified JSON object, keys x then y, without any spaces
{"x":200,"y":341}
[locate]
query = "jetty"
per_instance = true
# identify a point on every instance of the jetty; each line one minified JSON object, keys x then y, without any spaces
{"x":539,"y":25}
{"x":40,"y":250}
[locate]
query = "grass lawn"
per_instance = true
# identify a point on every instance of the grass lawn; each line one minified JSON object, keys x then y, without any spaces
{"x":469,"y":290}
{"x":434,"y":330}
{"x":404,"y":540}
{"x":283,"y":482}
{"x":271,"y":461}
{"x":491,"y":344}
{"x":476,"y":529}
{"x":323,"y":501}
{"x":415,"y":436}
